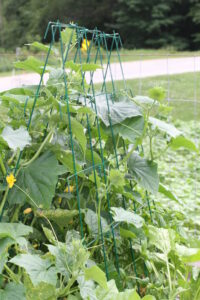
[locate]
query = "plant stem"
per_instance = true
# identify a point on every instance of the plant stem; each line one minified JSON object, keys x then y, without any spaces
{"x":66,"y":290}
{"x":11,"y":274}
{"x":3,"y":200}
{"x":16,"y":213}
{"x":197,"y":293}
{"x":151,"y":147}
{"x":3,"y":169}
{"x":72,"y":291}
{"x":99,"y":217}
{"x":11,"y":159}
{"x":39,"y":149}
{"x":169,"y":275}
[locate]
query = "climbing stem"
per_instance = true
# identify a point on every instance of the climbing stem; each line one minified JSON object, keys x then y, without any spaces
{"x":169,"y":275}
{"x":48,"y":137}
{"x":11,"y":274}
{"x":4,"y":200}
{"x":3,"y":169}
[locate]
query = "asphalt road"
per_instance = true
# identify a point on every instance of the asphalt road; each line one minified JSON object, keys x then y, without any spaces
{"x":132,"y":70}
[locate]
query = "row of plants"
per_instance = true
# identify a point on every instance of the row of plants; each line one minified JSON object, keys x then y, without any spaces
{"x":60,"y":237}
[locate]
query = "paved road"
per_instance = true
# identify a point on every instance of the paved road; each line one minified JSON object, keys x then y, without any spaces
{"x":132,"y":70}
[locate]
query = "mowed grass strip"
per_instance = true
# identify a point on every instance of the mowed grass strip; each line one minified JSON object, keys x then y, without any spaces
{"x":182,"y":92}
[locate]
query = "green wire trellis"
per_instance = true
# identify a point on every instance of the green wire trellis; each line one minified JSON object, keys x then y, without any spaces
{"x":108,"y":42}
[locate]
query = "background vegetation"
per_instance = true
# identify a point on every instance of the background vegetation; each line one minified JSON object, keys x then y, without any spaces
{"x":141,"y":23}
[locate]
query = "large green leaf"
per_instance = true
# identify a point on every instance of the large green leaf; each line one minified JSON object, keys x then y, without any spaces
{"x":78,"y":131}
{"x":113,"y":293}
{"x":166,"y":191}
{"x":39,"y":180}
{"x":26,"y":90}
{"x":164,"y":127}
{"x":42,"y":291}
{"x":119,"y":111}
{"x":144,"y":172}
{"x":130,"y":129}
{"x":144,"y":100}
{"x":61,"y":259}
{"x":126,"y":233}
{"x":87,"y":288}
{"x":66,"y":158}
{"x":4,"y":118}
{"x":163,"y":239}
{"x":68,"y":35}
{"x":39,"y":46}
{"x":70,"y":257}
{"x":189,"y":255}
{"x":13,"y":291}
{"x":128,"y":295}
{"x":116,"y":178}
{"x":30,"y":64}
{"x":10,"y":234}
{"x":14,"y":230}
{"x":39,"y":270}
{"x":91,"y":219}
{"x":96,"y":157}
{"x":16,"y":99}
{"x":82,"y":67}
{"x":127,"y":216}
{"x":16,"y":139}
{"x":96,"y":274}
{"x":182,"y":142}
{"x":22,"y":100}
{"x":109,"y":294}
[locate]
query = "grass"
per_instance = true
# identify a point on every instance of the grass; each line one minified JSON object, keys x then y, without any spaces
{"x":182,"y":92}
{"x":146,"y":54}
{"x":7,"y":59}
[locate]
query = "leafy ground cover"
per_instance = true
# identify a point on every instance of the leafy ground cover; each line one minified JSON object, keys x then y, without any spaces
{"x":120,"y":227}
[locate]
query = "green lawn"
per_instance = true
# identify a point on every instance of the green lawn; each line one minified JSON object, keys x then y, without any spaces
{"x":180,"y":90}
{"x":145,"y":54}
{"x":7,"y":60}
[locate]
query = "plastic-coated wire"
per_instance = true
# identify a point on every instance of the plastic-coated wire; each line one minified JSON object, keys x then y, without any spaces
{"x":102,"y":159}
{"x":115,"y":149}
{"x":92,"y":153}
{"x":70,"y":131}
{"x":104,"y":170}
{"x":118,"y":40}
{"x":108,"y":64}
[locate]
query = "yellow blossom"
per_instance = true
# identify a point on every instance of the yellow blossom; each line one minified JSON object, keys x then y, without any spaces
{"x":59,"y":200}
{"x":10,"y":180}
{"x":27,"y":211}
{"x":69,"y":189}
{"x":85,"y":45}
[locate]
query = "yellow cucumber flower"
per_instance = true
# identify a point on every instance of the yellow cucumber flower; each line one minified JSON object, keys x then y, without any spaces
{"x":85,"y":45}
{"x":69,"y":189}
{"x":10,"y":180}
